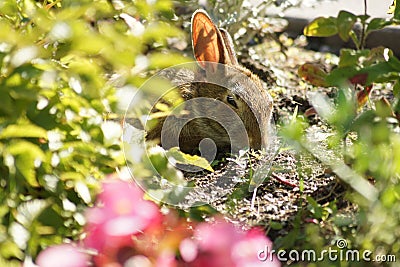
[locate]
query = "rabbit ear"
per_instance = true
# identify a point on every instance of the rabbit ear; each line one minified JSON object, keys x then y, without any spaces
{"x":229,"y":49}
{"x":207,"y":41}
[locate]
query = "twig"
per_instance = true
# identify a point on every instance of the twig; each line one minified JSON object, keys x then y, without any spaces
{"x":284,"y":181}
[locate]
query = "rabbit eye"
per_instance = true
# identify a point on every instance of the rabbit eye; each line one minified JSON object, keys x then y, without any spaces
{"x":231,"y":101}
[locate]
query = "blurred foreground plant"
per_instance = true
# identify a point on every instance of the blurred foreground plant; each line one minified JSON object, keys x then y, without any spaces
{"x":63,"y":65}
{"x":125,"y":230}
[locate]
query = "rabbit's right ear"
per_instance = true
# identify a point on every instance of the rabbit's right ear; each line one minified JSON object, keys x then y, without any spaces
{"x":209,"y":43}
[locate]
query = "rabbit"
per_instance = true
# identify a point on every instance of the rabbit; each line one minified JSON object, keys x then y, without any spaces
{"x":242,"y":102}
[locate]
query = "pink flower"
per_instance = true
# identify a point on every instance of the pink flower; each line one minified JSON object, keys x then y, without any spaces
{"x":253,"y":246}
{"x":166,"y":259}
{"x":215,"y":244}
{"x":65,"y":255}
{"x":222,"y":244}
{"x":121,"y":212}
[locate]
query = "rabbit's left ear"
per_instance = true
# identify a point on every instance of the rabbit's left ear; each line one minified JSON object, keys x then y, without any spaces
{"x":210,"y":44}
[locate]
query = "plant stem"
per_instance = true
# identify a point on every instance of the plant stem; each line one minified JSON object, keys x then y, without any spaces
{"x":363,"y":33}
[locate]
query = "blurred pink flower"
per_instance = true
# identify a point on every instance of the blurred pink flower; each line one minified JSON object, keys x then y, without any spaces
{"x":120,"y":213}
{"x":245,"y":252}
{"x":222,"y":244}
{"x":166,"y":259}
{"x":64,"y":255}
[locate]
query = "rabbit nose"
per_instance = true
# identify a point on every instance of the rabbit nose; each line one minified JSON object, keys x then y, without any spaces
{"x":208,"y":149}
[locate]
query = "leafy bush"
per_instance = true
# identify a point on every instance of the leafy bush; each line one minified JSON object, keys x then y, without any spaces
{"x":367,"y":138}
{"x":62,"y":63}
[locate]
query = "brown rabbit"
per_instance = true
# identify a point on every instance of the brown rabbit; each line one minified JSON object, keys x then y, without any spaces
{"x":226,"y":102}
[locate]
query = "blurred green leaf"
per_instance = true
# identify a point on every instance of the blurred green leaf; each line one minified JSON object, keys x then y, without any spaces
{"x":276,"y":225}
{"x":351,"y":58}
{"x":396,"y":11}
{"x":9,"y":8}
{"x":23,"y":130}
{"x":340,"y":76}
{"x":163,"y":60}
{"x":52,"y":218}
{"x":9,"y":249}
{"x":27,"y":156}
{"x":322,"y":104}
{"x":378,"y":24}
{"x":345,"y":22}
{"x":321,"y":27}
{"x":198,"y":213}
{"x":314,"y":208}
{"x":396,"y":89}
{"x":380,"y":72}
{"x":313,"y":74}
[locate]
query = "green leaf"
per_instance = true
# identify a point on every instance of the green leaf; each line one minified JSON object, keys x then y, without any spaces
{"x":322,"y":104}
{"x":350,"y":57}
{"x":27,"y":155}
{"x":261,"y":173}
{"x":9,"y":249}
{"x":393,"y":61}
{"x":6,"y":107}
{"x":313,"y":74}
{"x":321,"y":27}
{"x":276,"y":225}
{"x":381,"y":72}
{"x":396,"y":12}
{"x":23,"y":130}
{"x":162,"y":60}
{"x":186,"y":159}
{"x":378,"y":24}
{"x":315,"y":208}
{"x":345,"y":22}
{"x":71,"y":176}
{"x":198,"y":213}
{"x":396,"y":89}
{"x":355,"y":39}
{"x":51,"y":218}
{"x":9,"y":8}
{"x":340,"y":77}
{"x":345,"y":111}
